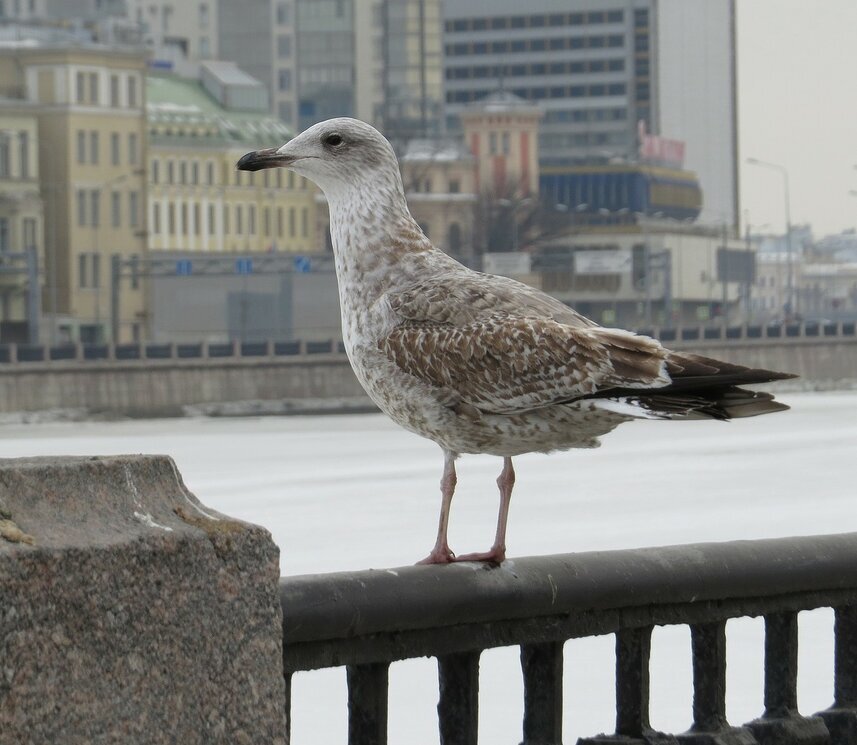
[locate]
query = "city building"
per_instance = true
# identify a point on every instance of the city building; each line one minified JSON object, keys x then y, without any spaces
{"x":179,"y":34}
{"x":377,"y":60}
{"x":21,"y":223}
{"x":439,"y":177}
{"x":198,"y":201}
{"x":89,"y":104}
{"x":646,"y":274}
{"x":606,"y":76}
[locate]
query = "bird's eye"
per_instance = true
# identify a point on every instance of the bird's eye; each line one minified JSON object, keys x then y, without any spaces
{"x":333,"y":140}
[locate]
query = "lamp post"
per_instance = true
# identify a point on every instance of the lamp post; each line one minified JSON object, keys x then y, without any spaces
{"x":790,"y":309}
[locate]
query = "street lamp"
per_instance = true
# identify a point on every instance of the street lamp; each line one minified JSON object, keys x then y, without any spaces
{"x":789,"y":247}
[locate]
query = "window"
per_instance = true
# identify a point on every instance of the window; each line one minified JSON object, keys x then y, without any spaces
{"x":209,"y":172}
{"x":184,"y":228}
{"x":81,"y":208}
{"x":454,"y":186}
{"x":156,"y":218}
{"x":492,"y":143}
{"x":239,"y":219}
{"x":505,"y":143}
{"x":266,"y":221}
{"x":93,"y":87}
{"x":114,"y":91}
{"x":94,"y":208}
{"x":280,"y":222}
{"x":225,"y":220}
{"x":132,"y":90}
{"x":305,"y":222}
{"x":194,"y":172}
{"x":170,"y":172}
{"x":24,"y":154}
{"x":114,"y":148}
{"x":133,"y":209}
{"x":284,"y":15}
{"x":211,"y":216}
{"x":4,"y":234}
{"x":81,"y":146}
{"x":96,"y":270}
{"x":29,"y":224}
{"x":115,"y":209}
{"x":132,"y":149}
{"x":93,"y":148}
{"x":156,"y":170}
{"x":81,"y":270}
{"x":204,"y":47}
{"x":203,"y":15}
{"x":292,"y":222}
{"x":182,"y":172}
{"x":284,"y":80}
{"x":80,"y":88}
{"x":171,"y":219}
{"x":284,"y":46}
{"x":251,"y":220}
{"x":4,"y":156}
{"x":197,"y":223}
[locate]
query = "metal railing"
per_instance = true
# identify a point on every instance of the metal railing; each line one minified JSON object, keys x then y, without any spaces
{"x":366,"y":620}
{"x":29,"y":353}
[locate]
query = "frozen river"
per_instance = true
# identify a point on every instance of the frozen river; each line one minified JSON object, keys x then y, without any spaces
{"x":352,"y":492}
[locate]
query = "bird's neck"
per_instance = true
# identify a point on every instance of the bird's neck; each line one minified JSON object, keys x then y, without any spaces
{"x":372,"y":230}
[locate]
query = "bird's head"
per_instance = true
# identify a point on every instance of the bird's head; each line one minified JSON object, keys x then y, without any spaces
{"x":333,"y":154}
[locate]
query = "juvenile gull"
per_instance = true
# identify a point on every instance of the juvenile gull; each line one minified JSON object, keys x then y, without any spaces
{"x":479,"y":363}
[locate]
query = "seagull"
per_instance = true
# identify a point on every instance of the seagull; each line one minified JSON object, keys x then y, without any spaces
{"x":475,"y":362}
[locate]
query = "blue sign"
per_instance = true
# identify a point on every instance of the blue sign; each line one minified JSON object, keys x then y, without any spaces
{"x":184,"y":267}
{"x":303,"y":265}
{"x":244,"y":266}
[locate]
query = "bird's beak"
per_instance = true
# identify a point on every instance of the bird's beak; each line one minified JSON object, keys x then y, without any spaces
{"x":269,"y":158}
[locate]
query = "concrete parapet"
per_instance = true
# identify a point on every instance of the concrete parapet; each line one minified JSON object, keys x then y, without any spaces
{"x":130,"y":613}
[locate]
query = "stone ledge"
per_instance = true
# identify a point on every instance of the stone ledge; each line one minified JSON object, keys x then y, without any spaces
{"x":131,"y":613}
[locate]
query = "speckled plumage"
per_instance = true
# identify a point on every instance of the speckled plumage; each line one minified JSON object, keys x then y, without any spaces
{"x":476,"y":363}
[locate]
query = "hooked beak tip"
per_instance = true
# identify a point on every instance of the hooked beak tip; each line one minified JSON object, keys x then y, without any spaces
{"x":260,"y":159}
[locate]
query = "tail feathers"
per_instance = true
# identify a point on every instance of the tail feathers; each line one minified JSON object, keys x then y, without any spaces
{"x":720,"y":403}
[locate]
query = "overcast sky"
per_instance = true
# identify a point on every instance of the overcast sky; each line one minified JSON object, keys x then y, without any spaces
{"x":797,"y":99}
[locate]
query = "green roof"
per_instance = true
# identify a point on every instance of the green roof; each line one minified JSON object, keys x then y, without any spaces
{"x":185,"y":108}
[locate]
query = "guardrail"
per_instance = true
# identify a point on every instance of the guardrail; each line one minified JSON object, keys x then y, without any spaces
{"x":27,"y":353}
{"x":366,"y":620}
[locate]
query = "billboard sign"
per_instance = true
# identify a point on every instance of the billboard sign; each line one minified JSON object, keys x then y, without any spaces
{"x":660,"y":150}
{"x":611,"y":261}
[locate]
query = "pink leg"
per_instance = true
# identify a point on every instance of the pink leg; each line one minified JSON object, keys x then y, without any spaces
{"x":441,"y":553}
{"x":497,"y":553}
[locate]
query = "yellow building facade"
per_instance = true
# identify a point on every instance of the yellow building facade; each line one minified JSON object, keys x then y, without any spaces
{"x":198,"y":201}
{"x":89,"y":103}
{"x":21,"y":224}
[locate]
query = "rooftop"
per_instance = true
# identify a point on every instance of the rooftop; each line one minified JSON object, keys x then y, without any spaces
{"x":179,"y":108}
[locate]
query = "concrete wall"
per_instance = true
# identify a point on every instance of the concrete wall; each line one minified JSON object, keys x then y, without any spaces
{"x":312,"y":382}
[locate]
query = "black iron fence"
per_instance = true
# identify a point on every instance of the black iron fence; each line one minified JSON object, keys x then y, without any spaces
{"x":366,"y":620}
{"x":694,"y":335}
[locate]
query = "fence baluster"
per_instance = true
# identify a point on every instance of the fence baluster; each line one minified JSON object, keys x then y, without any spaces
{"x":708,"y":644}
{"x":633,"y":649}
{"x":367,"y":703}
{"x":542,"y":668}
{"x":841,"y":718}
{"x":781,"y":724}
{"x":458,"y":705}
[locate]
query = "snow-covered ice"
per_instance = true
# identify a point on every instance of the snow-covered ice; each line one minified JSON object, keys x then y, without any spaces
{"x":352,"y":492}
